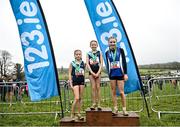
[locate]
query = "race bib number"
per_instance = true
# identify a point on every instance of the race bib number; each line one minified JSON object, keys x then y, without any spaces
{"x":115,"y":64}
{"x":80,"y":72}
{"x":93,"y":62}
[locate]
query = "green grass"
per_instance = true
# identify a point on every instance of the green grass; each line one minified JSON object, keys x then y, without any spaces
{"x":134,"y":102}
{"x":167,"y":99}
{"x":28,"y":120}
{"x":154,"y":71}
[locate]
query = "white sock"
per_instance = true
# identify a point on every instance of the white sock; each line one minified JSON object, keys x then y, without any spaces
{"x":115,"y":107}
{"x":124,"y":108}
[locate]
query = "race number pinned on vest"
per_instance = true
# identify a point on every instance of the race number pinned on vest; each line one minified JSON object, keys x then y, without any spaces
{"x":115,"y":64}
{"x":93,"y":60}
{"x":78,"y":70}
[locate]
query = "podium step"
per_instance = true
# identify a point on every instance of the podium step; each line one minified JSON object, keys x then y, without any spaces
{"x":96,"y":117}
{"x":103,"y":118}
{"x":131,"y":120}
{"x":67,"y":121}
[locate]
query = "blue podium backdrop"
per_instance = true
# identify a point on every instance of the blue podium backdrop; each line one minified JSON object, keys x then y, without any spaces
{"x":38,"y":61}
{"x":107,"y":22}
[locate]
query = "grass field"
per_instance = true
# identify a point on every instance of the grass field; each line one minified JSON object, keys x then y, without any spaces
{"x":134,"y":103}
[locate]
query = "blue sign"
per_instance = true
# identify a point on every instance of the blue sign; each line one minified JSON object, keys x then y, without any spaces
{"x":106,"y":22}
{"x":38,"y":61}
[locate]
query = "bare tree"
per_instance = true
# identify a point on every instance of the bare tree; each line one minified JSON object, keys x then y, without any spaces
{"x":1,"y":67}
{"x":18,"y":71}
{"x":5,"y":63}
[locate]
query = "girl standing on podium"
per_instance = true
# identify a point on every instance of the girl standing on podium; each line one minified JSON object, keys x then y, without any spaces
{"x":117,"y":71}
{"x":94,"y":62}
{"x":76,"y":82}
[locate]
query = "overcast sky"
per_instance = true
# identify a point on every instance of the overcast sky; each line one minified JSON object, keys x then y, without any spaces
{"x":153,"y":27}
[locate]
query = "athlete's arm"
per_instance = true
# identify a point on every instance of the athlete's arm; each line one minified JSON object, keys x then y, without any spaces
{"x":107,"y":62}
{"x":124,"y":64}
{"x":88,"y":66}
{"x":101,"y":64}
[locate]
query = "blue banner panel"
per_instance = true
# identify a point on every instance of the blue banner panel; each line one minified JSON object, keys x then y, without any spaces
{"x":38,"y":61}
{"x":106,"y":22}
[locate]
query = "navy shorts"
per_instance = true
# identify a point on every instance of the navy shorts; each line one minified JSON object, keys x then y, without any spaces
{"x":78,"y":81}
{"x":117,"y":78}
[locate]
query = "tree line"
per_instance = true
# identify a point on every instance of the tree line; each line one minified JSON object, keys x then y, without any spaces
{"x":8,"y":69}
{"x":170,"y":65}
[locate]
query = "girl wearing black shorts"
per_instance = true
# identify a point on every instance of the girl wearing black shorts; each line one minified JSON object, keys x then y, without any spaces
{"x":94,"y":62}
{"x":76,"y":81}
{"x":117,"y":70}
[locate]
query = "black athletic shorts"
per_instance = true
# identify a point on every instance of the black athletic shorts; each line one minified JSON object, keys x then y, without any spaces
{"x":79,"y":80}
{"x":117,"y":78}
